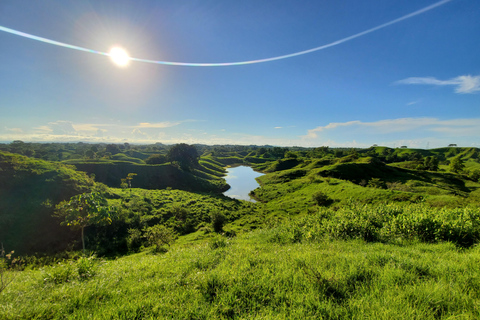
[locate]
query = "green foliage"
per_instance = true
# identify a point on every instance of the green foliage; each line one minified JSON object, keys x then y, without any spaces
{"x":159,"y":236}
{"x":431,"y":163}
{"x":86,"y":267}
{"x":456,"y":165}
{"x":129,"y":178}
{"x":376,"y":183}
{"x":5,"y":276}
{"x":83,"y":269}
{"x":254,"y":278}
{"x":58,"y":274}
{"x":186,"y":156}
{"x":84,"y":210}
{"x":474,"y":175}
{"x":134,"y":240}
{"x":30,"y":189}
{"x":156,"y":159}
{"x":291,"y":155}
{"x":385,"y":223}
{"x":155,"y":177}
{"x":218,"y":221}
{"x":321,"y":199}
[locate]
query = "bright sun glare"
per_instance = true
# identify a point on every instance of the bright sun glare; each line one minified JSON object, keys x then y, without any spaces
{"x":119,"y":56}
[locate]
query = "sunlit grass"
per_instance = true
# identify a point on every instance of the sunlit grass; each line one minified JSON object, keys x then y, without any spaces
{"x":251,"y":277}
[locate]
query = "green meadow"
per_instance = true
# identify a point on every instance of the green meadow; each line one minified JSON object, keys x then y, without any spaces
{"x":334,"y":233}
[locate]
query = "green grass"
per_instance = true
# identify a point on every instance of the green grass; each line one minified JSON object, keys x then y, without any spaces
{"x":252,"y":278}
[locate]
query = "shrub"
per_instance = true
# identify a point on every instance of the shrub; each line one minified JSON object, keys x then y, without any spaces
{"x":159,"y":236}
{"x":218,"y":221}
{"x":321,"y":199}
{"x":218,"y":242}
{"x":60,"y":273}
{"x":86,"y":267}
{"x":376,"y":183}
{"x":134,"y":240}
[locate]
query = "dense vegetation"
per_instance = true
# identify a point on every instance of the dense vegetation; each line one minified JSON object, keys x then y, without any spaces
{"x":335,"y":233}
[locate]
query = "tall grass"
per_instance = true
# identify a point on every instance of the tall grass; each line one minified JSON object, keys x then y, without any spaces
{"x":392,"y":223}
{"x":252,"y":278}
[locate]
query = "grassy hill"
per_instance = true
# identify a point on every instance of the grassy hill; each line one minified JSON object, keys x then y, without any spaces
{"x":335,"y":234}
{"x":29,"y":191}
{"x":154,"y":176}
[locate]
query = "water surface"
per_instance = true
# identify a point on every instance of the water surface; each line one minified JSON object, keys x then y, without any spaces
{"x":241,"y":180}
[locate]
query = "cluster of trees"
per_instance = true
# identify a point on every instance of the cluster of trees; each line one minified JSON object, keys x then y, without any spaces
{"x":183,"y":155}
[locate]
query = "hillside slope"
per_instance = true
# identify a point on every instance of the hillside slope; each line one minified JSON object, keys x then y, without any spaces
{"x":29,"y":190}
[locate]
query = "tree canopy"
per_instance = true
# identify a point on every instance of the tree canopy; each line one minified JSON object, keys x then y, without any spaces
{"x":84,"y":210}
{"x":184,"y":155}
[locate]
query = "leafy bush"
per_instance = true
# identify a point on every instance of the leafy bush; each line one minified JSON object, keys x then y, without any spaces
{"x":218,"y":242}
{"x":60,"y":273}
{"x":86,"y":267}
{"x":160,"y":237}
{"x":384,"y":223}
{"x":218,"y":220}
{"x":376,"y":183}
{"x":321,"y":199}
{"x":134,"y":241}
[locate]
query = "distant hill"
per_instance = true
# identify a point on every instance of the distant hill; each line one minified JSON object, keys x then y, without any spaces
{"x":205,"y":178}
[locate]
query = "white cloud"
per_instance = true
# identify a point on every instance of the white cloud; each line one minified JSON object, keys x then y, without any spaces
{"x":165,"y":124}
{"x":407,"y":131}
{"x":15,"y":130}
{"x":463,"y":84}
{"x":62,"y":128}
{"x":409,"y":125}
{"x":313,"y":132}
{"x":411,"y":103}
{"x":139,"y":135}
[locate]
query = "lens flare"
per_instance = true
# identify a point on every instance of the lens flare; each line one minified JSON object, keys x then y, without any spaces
{"x":122,"y":57}
{"x":119,"y":56}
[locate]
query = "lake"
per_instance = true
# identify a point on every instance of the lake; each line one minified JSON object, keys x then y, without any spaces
{"x":241,"y":180}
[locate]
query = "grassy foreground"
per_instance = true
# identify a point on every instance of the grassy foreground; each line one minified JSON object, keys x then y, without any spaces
{"x":251,"y":277}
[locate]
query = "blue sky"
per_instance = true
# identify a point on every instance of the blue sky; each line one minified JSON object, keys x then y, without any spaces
{"x":415,"y":82}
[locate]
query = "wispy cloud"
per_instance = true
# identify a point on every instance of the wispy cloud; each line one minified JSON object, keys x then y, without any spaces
{"x":454,"y":126}
{"x":15,"y":130}
{"x":463,"y":84}
{"x":165,"y":124}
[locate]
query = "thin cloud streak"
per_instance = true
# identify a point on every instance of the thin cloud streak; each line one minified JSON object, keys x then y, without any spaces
{"x":402,"y":125}
{"x":463,"y":84}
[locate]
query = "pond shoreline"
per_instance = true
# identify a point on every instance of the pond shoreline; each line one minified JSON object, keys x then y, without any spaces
{"x":242,"y":180}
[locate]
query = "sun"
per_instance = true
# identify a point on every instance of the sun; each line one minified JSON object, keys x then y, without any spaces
{"x":119,"y":56}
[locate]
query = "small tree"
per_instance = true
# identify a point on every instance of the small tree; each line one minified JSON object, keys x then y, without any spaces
{"x":431,"y":163}
{"x":129,"y":179}
{"x":456,"y":165}
{"x":84,"y":210}
{"x":218,"y":221}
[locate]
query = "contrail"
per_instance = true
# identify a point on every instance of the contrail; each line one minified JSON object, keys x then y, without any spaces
{"x":225,"y":64}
